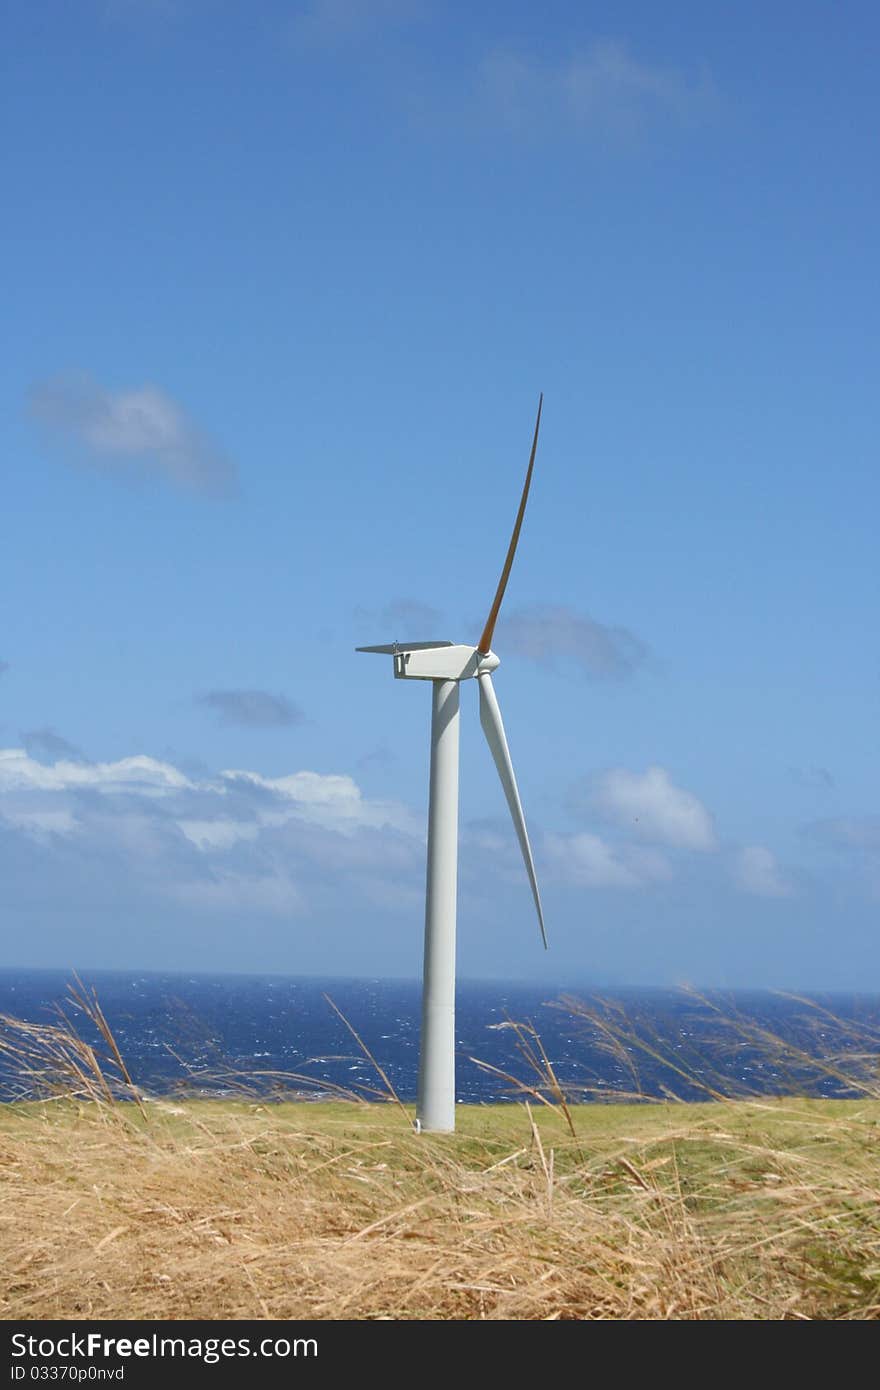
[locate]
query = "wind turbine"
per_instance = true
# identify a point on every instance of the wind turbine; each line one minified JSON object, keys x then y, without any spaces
{"x":446,"y":665}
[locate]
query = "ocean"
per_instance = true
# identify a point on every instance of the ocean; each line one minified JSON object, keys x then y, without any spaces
{"x":276,"y":1035}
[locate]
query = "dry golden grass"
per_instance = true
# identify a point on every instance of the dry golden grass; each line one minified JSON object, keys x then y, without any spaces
{"x":338,"y":1211}
{"x":116,"y":1207}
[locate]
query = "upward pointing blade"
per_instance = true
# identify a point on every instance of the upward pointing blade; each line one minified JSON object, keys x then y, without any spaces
{"x":485,"y":641}
{"x":493,"y":728}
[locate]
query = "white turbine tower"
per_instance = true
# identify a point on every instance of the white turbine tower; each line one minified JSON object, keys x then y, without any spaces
{"x":446,"y":665}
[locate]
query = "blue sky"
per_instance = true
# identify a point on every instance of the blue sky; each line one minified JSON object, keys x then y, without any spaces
{"x":282,"y":284}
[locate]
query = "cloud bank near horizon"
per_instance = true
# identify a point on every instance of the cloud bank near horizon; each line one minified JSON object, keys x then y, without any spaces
{"x":234,"y":841}
{"x":241,"y":846}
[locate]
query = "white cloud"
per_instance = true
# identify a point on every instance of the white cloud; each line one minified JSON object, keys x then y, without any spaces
{"x":552,"y":635}
{"x":593,"y":862}
{"x":133,"y":9}
{"x":49,"y":743}
{"x":59,"y":822}
{"x":650,"y":806}
{"x":757,"y":871}
{"x":274,"y":894}
{"x":135,"y":428}
{"x":331,"y":23}
{"x":254,"y":709}
{"x":139,"y":829}
{"x":814,"y":778}
{"x":601,"y":93}
{"x":410,"y":616}
{"x":857,"y":833}
{"x":219,"y":834}
{"x":403,"y":619}
{"x":332,"y":801}
{"x":141,"y":775}
{"x":856,"y":840}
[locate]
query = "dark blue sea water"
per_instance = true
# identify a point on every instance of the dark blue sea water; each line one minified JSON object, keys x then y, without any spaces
{"x":277,"y":1035}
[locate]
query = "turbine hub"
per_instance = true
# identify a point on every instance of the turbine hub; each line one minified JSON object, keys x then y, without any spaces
{"x":489,"y":662}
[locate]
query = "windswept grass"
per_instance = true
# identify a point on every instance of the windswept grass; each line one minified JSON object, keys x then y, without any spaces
{"x":158,"y":1209}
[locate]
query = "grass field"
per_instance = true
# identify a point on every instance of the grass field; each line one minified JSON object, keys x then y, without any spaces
{"x":246,"y":1209}
{"x":114,"y":1205}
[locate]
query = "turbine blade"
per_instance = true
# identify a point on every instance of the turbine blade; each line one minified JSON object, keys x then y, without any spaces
{"x":485,"y":641}
{"x":493,"y":728}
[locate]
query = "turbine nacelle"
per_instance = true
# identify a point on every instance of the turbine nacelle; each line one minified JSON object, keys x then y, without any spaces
{"x":445,"y":661}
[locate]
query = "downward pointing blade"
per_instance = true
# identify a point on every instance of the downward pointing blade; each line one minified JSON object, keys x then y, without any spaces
{"x":493,"y":728}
